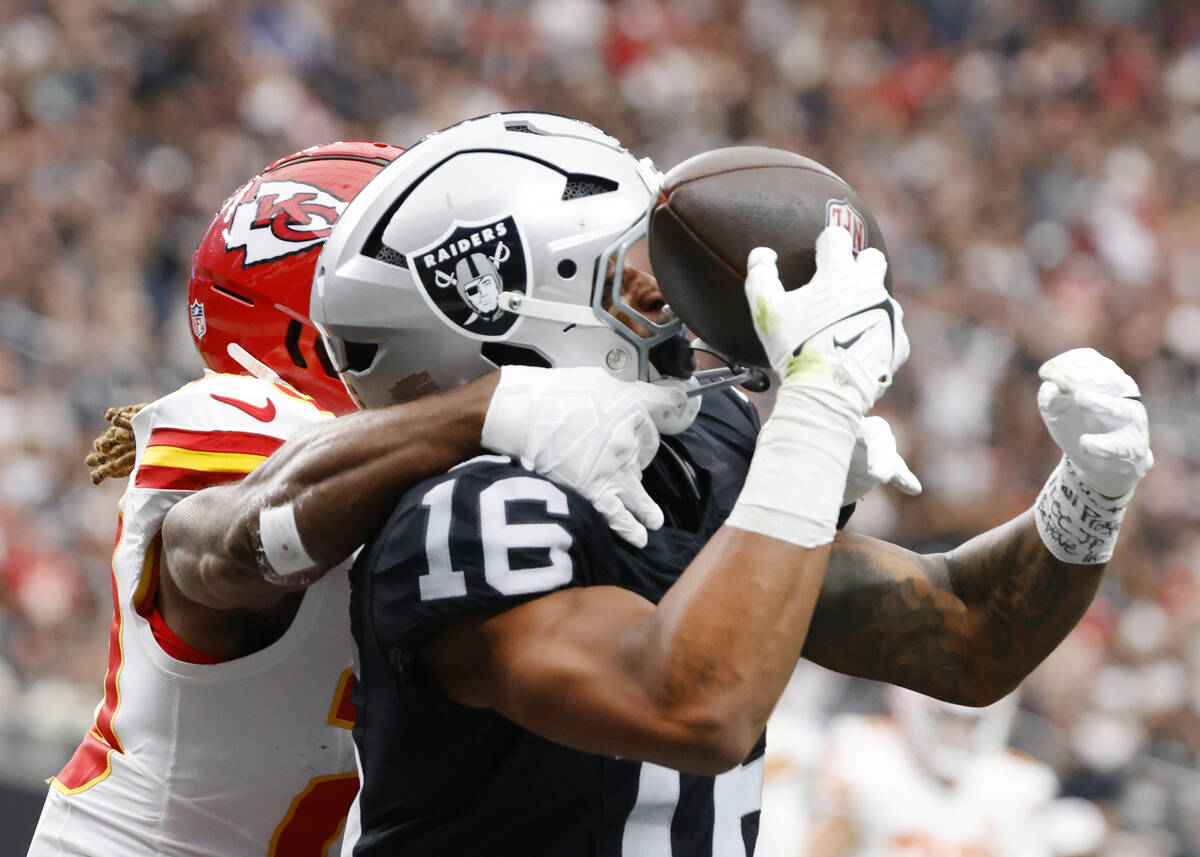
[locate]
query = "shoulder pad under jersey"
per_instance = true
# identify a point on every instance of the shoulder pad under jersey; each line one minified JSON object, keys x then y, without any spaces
{"x":215,"y":430}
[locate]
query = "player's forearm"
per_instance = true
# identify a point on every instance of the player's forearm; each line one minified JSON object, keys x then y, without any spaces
{"x":337,"y":480}
{"x":966,"y":626}
{"x":1019,"y":600}
{"x":345,"y":478}
{"x":722,"y":643}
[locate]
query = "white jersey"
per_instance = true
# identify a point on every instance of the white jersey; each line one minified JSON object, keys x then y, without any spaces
{"x":872,"y":779}
{"x":251,"y":756}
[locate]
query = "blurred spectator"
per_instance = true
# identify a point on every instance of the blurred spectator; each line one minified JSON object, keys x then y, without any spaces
{"x":937,"y":780}
{"x":1035,"y":167}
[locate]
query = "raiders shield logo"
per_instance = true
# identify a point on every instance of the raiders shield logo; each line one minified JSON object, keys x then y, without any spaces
{"x":839,"y":212}
{"x":283,"y":218}
{"x":199,"y":322}
{"x":464,"y":272}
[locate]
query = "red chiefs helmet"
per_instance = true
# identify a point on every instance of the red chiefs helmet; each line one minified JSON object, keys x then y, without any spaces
{"x":253,"y":269}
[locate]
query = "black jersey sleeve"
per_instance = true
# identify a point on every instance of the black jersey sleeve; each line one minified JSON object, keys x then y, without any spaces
{"x":482,"y":537}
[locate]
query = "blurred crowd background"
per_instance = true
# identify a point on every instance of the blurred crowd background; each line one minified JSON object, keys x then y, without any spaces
{"x":1034,"y":165}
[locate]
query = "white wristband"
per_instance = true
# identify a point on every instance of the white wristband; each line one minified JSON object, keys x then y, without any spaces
{"x":1077,"y":524}
{"x":281,"y":543}
{"x":794,"y":489}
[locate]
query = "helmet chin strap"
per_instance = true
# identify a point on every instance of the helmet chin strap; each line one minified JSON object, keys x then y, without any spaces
{"x":734,"y":374}
{"x":250,"y":363}
{"x":751,"y":377}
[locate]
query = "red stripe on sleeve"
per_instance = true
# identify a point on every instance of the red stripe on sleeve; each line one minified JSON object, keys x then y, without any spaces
{"x":216,"y":441}
{"x":181,"y":478}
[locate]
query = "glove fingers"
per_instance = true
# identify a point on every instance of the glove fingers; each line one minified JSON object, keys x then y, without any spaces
{"x":620,"y":520}
{"x":834,"y":249}
{"x":905,"y":480}
{"x":639,"y":503}
{"x":1111,"y":445}
{"x":1052,"y":399}
{"x":881,"y":448}
{"x":763,"y":287}
{"x":1088,"y":368}
{"x":1114,"y":407}
{"x":873,"y":264}
{"x":669,"y":407}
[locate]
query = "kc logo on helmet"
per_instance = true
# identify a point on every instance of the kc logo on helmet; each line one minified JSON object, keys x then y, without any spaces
{"x":283,"y":218}
{"x":839,"y":212}
{"x":464,"y":272}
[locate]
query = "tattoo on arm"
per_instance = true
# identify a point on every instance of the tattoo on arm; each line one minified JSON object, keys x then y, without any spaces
{"x":965,"y":626}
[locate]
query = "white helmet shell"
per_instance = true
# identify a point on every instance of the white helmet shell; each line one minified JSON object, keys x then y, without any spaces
{"x":487,"y":243}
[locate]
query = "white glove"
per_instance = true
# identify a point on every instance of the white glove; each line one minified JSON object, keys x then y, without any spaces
{"x":835,"y":343}
{"x":1106,"y":450}
{"x":1084,"y":400}
{"x":585,"y":429}
{"x":876,"y":461}
{"x":841,"y":330}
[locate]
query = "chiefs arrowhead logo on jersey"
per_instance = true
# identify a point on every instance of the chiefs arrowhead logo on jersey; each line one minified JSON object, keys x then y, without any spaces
{"x":283,"y":218}
{"x":464,"y":272}
{"x":839,"y":212}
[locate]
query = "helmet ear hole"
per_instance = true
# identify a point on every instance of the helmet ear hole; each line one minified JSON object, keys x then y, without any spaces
{"x":507,"y":354}
{"x":292,"y":341}
{"x":359,"y":355}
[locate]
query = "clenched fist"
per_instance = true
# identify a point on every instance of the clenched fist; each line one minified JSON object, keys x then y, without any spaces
{"x":1090,"y":407}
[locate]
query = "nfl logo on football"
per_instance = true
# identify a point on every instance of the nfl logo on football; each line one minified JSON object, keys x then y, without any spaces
{"x":839,"y":212}
{"x":199,"y":325}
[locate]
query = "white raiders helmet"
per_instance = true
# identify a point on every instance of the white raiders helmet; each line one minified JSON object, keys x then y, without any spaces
{"x":947,"y":737}
{"x":499,"y":240}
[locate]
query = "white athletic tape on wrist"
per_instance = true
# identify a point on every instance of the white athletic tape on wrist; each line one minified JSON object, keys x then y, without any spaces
{"x":794,"y":489}
{"x":282,"y":546}
{"x":1077,"y":524}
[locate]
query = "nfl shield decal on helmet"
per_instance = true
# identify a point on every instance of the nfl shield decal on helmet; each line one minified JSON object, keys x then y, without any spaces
{"x":839,"y":212}
{"x":464,"y":272}
{"x":283,"y":217}
{"x":199,"y":324}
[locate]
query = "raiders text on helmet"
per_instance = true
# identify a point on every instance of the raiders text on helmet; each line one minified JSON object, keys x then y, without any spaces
{"x":499,"y":240}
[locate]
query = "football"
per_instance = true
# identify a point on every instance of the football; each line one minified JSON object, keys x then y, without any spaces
{"x":716,"y":207}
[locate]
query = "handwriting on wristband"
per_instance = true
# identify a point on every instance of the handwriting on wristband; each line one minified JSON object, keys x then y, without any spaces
{"x":1076,"y":523}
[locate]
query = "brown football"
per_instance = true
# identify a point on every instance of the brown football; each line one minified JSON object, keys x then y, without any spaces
{"x":717,"y":206}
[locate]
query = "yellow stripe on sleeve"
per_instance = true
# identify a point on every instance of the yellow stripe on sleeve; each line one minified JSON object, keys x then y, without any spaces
{"x":193,"y":459}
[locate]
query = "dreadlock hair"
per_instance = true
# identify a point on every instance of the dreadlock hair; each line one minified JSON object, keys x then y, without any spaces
{"x":115,"y":450}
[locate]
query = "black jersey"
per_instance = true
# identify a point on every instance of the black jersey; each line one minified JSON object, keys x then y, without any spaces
{"x":444,"y":779}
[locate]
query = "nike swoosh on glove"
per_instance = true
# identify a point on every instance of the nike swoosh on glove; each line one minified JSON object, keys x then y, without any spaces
{"x":1086,"y":401}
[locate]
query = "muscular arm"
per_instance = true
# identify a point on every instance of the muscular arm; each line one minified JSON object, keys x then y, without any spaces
{"x":342,"y":478}
{"x":964,"y":626}
{"x":688,"y":684}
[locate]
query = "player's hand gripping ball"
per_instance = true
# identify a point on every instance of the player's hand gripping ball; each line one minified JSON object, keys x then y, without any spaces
{"x":715,"y":208}
{"x":1090,"y":407}
{"x":841,"y":328}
